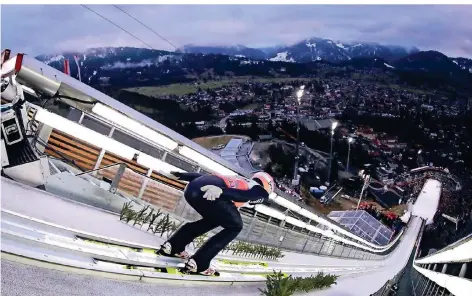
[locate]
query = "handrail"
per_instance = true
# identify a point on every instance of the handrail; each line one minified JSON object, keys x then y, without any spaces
{"x":459,"y":251}
{"x":303,"y":210}
{"x":458,"y":286}
{"x":274,"y":213}
{"x":102,"y":168}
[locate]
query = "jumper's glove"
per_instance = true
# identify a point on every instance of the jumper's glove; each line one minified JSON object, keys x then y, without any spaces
{"x":211,"y":192}
{"x":176,"y":175}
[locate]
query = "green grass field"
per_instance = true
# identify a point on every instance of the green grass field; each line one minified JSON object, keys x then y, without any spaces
{"x":180,"y":89}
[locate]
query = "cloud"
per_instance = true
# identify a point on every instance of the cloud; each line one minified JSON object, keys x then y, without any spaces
{"x":37,"y":29}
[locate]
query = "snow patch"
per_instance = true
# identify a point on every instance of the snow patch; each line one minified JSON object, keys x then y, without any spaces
{"x":54,"y":59}
{"x":94,"y":72}
{"x":85,"y":56}
{"x":248,"y":62}
{"x":389,"y":66}
{"x":128,"y":59}
{"x":340,"y":45}
{"x":121,"y":65}
{"x":455,"y":62}
{"x":356,"y":45}
{"x":166,"y":57}
{"x":311,"y":45}
{"x":240,"y":56}
{"x":282,"y":57}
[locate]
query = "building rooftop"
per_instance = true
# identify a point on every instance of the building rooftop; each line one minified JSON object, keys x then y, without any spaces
{"x":364,"y":225}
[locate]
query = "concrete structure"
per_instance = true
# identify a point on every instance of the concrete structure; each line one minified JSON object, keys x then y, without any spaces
{"x":231,"y":150}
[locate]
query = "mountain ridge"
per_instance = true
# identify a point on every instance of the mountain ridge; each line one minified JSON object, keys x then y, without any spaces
{"x":130,"y":67}
{"x":310,"y":49}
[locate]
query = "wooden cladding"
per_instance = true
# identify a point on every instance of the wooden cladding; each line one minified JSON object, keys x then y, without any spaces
{"x":85,"y":155}
{"x":82,"y":153}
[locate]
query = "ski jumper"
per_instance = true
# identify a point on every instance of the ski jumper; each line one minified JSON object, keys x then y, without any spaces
{"x":220,"y":212}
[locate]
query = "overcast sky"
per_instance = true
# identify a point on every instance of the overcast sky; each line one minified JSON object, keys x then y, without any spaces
{"x":37,"y":29}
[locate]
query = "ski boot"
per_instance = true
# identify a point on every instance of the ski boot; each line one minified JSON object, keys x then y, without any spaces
{"x":191,"y":268}
{"x":166,"y":250}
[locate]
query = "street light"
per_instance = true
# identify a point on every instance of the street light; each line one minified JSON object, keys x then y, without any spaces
{"x":364,"y":187}
{"x":349,"y":141}
{"x":334,"y":124}
{"x":299,"y":95}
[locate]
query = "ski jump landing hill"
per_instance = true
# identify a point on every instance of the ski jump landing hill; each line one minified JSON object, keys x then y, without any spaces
{"x":73,"y":224}
{"x":47,"y":228}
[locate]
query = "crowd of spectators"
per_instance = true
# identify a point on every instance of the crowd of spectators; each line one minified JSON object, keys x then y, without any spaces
{"x":455,"y":202}
{"x":387,"y":218}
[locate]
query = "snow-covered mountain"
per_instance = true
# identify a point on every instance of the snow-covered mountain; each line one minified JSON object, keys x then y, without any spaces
{"x":312,"y":49}
{"x":238,"y":50}
{"x":463,"y":63}
{"x":126,"y":66}
{"x":106,"y":62}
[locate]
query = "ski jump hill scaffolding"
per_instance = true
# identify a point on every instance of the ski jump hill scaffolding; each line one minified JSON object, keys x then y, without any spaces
{"x":64,"y":203}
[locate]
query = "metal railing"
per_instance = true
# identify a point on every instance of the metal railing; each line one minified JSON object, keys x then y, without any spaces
{"x":445,"y":272}
{"x":258,"y":228}
{"x":99,"y":124}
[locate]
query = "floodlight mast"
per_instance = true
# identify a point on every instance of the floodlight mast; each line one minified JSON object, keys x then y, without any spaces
{"x":299,"y":96}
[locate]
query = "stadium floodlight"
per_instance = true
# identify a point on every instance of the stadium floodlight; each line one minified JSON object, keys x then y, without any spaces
{"x":134,"y":126}
{"x":334,"y":124}
{"x":295,"y":180}
{"x":299,"y":97}
{"x":349,"y":141}
{"x":299,"y":94}
{"x":364,"y":187}
{"x":85,"y":134}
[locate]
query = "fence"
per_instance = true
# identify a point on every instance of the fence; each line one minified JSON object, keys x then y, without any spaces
{"x":258,"y":228}
{"x":445,"y":272}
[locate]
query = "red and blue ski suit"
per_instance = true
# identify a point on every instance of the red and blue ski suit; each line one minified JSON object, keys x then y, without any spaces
{"x":221,"y":212}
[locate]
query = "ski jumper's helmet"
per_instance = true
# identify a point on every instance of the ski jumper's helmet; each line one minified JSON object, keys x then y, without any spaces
{"x":265,"y":180}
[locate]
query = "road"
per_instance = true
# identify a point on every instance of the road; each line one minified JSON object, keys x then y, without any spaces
{"x":222,"y":123}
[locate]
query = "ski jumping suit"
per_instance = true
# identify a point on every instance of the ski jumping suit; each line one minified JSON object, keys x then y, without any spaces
{"x":221,"y":212}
